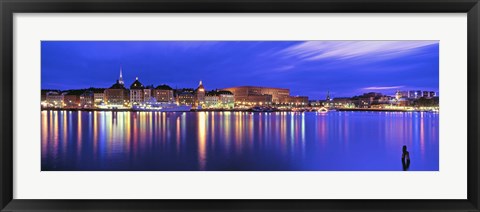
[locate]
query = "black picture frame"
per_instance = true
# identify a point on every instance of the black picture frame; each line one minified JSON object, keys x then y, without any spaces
{"x":9,"y":7}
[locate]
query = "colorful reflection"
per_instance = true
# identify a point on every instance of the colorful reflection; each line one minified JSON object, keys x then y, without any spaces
{"x":237,"y":141}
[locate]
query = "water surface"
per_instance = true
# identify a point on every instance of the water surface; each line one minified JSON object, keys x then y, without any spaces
{"x":238,"y":141}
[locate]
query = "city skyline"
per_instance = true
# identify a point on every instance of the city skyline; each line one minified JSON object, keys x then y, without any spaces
{"x":311,"y":68}
{"x":328,"y":94}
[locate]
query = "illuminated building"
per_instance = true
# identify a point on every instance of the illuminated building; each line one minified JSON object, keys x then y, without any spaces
{"x":186,"y":97}
{"x":200,"y":95}
{"x":219,"y":99}
{"x":368,"y":99}
{"x":425,"y":94}
{"x":294,"y":100}
{"x":402,"y":102}
{"x":315,"y":103}
{"x":86,"y":99}
{"x":98,"y":96}
{"x":343,"y":103}
{"x":401,"y":94}
{"x":253,"y":100}
{"x":72,"y":99}
{"x":54,"y":99}
{"x":328,"y":101}
{"x":244,"y":92}
{"x":136,"y":92}
{"x":163,"y":93}
{"x":147,"y":93}
{"x":411,"y":94}
{"x":117,"y":95}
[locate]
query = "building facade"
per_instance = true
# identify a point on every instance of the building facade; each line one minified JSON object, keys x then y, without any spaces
{"x":219,"y":99}
{"x":117,"y":95}
{"x":293,"y":100}
{"x":200,"y":95}
{"x":86,"y":99}
{"x":147,"y":93}
{"x":243,"y":92}
{"x":54,"y":99}
{"x":163,"y":93}
{"x":185,"y":97}
{"x":98,"y":96}
{"x":136,"y":92}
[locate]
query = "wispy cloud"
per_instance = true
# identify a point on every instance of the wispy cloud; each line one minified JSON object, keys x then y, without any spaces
{"x":285,"y":68}
{"x":383,"y":87}
{"x":317,"y":50}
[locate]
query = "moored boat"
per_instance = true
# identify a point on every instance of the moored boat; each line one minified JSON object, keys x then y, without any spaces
{"x":162,"y":107}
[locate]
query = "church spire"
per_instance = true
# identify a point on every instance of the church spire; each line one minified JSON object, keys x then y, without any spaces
{"x":120,"y":80}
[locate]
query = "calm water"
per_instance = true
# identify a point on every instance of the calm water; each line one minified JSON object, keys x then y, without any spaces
{"x":238,"y":141}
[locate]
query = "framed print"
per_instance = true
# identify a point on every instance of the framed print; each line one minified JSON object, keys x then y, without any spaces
{"x":260,"y":105}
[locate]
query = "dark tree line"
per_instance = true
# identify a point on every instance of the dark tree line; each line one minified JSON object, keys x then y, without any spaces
{"x":424,"y":102}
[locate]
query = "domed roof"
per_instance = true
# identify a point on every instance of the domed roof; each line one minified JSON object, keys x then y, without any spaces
{"x":164,"y":87}
{"x":136,"y":84}
{"x":117,"y":85}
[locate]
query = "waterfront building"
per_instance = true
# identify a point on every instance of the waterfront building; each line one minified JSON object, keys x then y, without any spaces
{"x":418,"y":94}
{"x":71,"y":99}
{"x":411,"y":94}
{"x":117,"y":96}
{"x":219,"y":99}
{"x":328,"y":103}
{"x":342,"y":103}
{"x":428,"y":94}
{"x":54,"y":99}
{"x":136,"y":92}
{"x":200,"y":94}
{"x":211,"y":100}
{"x":98,"y":96}
{"x":315,"y":103}
{"x":185,"y":97}
{"x":163,"y":93}
{"x":147,"y":93}
{"x":87,"y":99}
{"x":253,"y":100}
{"x":401,"y":94}
{"x":293,"y":100}
{"x":368,"y":99}
{"x":403,"y":102}
{"x":243,"y":92}
{"x":425,"y":94}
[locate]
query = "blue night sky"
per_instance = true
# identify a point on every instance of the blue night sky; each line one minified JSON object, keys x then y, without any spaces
{"x":307,"y":68}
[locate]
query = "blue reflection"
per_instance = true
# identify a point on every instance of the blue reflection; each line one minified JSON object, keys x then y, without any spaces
{"x":238,"y":141}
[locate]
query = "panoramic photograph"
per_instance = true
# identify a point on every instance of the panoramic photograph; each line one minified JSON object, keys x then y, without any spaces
{"x":240,"y":105}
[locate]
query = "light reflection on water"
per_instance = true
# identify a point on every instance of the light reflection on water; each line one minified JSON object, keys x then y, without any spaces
{"x":238,"y":141}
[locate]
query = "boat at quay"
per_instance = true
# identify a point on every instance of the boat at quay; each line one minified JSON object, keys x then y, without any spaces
{"x":162,"y":107}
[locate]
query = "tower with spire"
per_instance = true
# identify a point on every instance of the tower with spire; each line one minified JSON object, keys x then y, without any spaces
{"x":200,"y":94}
{"x":120,"y":79}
